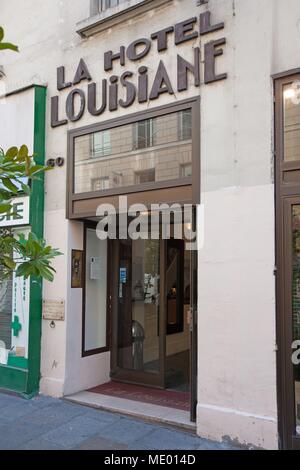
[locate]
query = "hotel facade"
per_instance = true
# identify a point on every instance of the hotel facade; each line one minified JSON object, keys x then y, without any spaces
{"x":183,"y":103}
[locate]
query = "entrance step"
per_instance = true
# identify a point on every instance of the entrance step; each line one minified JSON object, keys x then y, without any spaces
{"x":137,"y":409}
{"x":161,"y":397}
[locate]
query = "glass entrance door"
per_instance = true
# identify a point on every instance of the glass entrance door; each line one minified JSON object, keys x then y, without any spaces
{"x":291,"y":325}
{"x":153,"y":305}
{"x":295,"y":317}
{"x":138,"y":312}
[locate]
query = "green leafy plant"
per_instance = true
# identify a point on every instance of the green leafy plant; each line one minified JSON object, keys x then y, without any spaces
{"x":29,"y":256}
{"x":6,"y":45}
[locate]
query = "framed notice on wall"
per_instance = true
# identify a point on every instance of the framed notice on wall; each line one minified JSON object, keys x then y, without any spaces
{"x":77,"y":269}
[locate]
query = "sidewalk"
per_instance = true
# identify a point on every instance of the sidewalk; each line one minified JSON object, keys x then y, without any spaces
{"x":45,"y":423}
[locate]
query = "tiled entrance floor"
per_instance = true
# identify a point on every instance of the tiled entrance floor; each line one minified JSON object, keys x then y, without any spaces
{"x":169,"y":398}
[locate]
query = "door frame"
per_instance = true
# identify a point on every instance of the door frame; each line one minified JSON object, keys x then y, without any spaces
{"x":286,"y":386}
{"x":287,"y":194}
{"x":128,"y":376}
{"x":194,"y":324}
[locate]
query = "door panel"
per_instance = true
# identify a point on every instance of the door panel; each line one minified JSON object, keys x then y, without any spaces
{"x":292,"y":315}
{"x":138,"y":312}
{"x":289,"y":288}
{"x":287,"y":138}
{"x":154,"y":337}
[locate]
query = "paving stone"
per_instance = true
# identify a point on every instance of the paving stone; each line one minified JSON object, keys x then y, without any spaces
{"x":74,"y":432}
{"x":15,"y":434}
{"x":4,"y":421}
{"x":50,"y":424}
{"x":100,"y":443}
{"x":167,"y":439}
{"x":54,"y":414}
{"x":9,"y":398}
{"x":102,"y":416}
{"x":127,"y":431}
{"x":41,"y":401}
{"x":40,"y":444}
{"x":13,"y":411}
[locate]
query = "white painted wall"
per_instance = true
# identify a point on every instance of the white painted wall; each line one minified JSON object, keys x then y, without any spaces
{"x":17,"y":119}
{"x":237,"y":361}
{"x":237,"y":374}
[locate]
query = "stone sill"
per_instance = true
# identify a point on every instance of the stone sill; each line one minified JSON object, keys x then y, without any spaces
{"x":116,"y":15}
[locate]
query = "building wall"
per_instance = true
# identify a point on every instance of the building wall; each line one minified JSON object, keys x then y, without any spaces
{"x":237,"y":384}
{"x":237,"y":359}
{"x":64,"y":371}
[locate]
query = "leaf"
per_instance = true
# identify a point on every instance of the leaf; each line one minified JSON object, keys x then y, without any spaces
{"x":4,"y":194}
{"x":24,"y":270}
{"x":9,"y":185}
{"x":23,"y":152}
{"x":8,"y":262}
{"x":4,"y":208}
{"x":25,"y":188}
{"x":37,"y":169}
{"x":11,"y":153}
{"x":1,"y":33}
{"x":8,"y":45}
{"x":46,"y":273}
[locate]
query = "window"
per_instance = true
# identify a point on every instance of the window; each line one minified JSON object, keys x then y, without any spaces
{"x":186,"y":170}
{"x":100,"y":184}
{"x":103,"y":5}
{"x":100,"y":144}
{"x":291,"y":95}
{"x":143,"y":134}
{"x":95,"y":294}
{"x":185,"y":125}
{"x":6,"y":304}
{"x":134,"y":153}
{"x":145,"y":176}
{"x":14,"y":316}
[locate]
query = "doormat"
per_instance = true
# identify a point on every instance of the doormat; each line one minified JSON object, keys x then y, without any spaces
{"x":168,"y":398}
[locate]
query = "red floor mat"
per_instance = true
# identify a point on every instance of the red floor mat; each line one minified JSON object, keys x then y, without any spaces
{"x":178,"y":400}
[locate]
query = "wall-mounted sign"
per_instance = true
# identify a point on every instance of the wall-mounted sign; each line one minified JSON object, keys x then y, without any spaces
{"x":77,"y":269}
{"x":123,"y":275}
{"x":54,"y":310}
{"x":96,"y":269}
{"x":18,"y":215}
{"x":136,"y":86}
